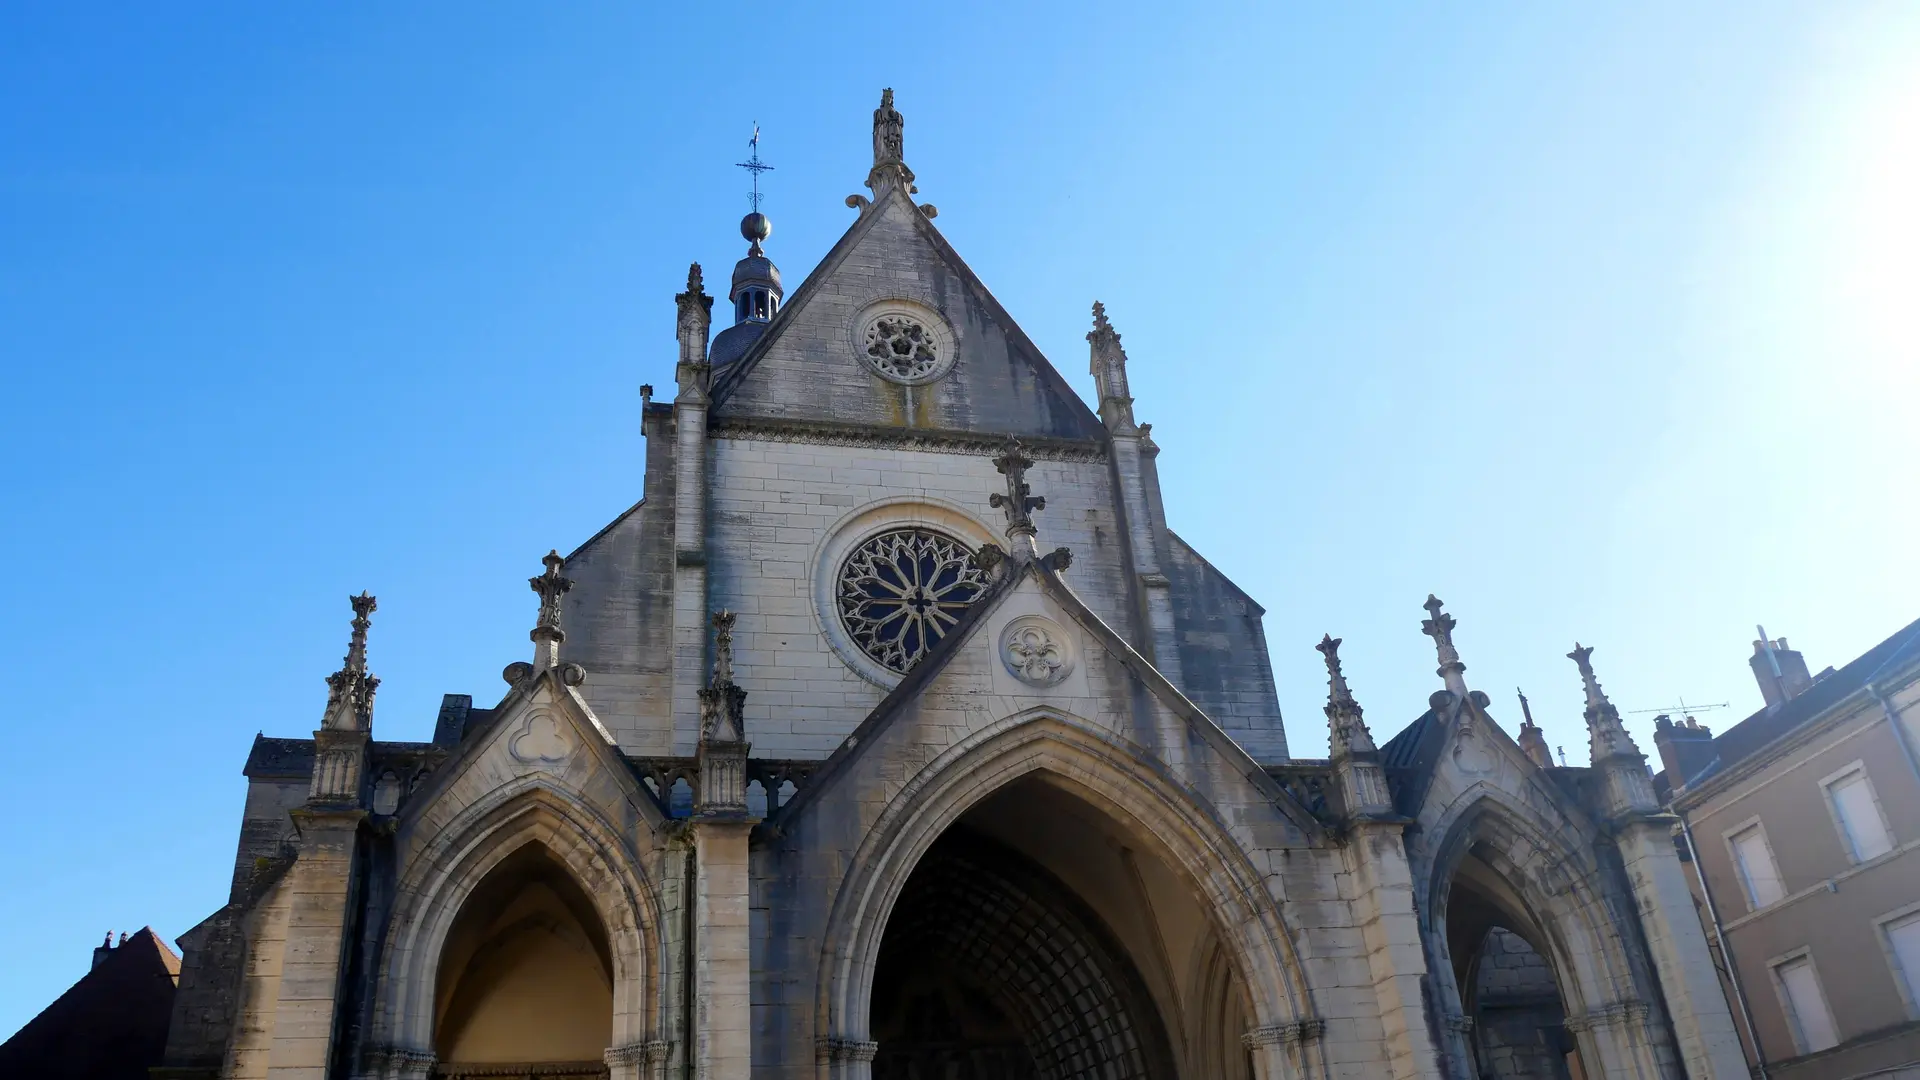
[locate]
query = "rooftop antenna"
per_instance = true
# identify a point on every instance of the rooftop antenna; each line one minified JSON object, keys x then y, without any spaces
{"x":754,"y":165}
{"x":1683,"y":708}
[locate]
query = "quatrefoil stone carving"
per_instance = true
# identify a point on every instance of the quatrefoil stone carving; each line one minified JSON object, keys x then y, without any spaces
{"x":1035,"y":649}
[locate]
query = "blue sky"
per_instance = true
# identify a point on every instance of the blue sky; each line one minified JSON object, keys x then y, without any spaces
{"x":1599,"y":322}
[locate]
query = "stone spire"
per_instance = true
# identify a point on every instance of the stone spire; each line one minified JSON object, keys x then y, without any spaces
{"x":1533,"y":741}
{"x":695,"y":318}
{"x":340,"y":746}
{"x":350,"y":690}
{"x":1017,"y":500}
{"x":1346,"y":731}
{"x":889,"y":153}
{"x":1606,"y":735}
{"x":546,"y":633}
{"x":723,"y":746}
{"x":1108,"y":361}
{"x":1439,"y":626}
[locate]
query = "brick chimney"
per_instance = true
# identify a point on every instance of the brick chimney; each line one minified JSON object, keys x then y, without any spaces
{"x":1780,"y":671}
{"x":1685,"y":748}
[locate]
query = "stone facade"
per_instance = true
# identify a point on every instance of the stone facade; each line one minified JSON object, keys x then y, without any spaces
{"x":1052,"y":829}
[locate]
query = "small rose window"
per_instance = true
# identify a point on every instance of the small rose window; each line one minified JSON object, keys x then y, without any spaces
{"x":900,"y":347}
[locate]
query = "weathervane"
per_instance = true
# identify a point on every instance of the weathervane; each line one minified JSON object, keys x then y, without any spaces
{"x":754,"y":165}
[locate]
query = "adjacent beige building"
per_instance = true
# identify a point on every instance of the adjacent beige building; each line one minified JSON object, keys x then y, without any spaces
{"x":1804,"y":822}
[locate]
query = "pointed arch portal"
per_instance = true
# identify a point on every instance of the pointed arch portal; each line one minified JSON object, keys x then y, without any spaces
{"x":526,"y":976}
{"x":1032,"y":906}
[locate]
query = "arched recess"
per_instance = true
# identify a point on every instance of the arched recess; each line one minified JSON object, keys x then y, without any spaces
{"x":1505,"y":870}
{"x":443,"y":876}
{"x":525,"y":977}
{"x":1124,"y":785}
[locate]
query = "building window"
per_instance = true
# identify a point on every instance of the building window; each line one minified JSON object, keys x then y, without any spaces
{"x":1857,"y":814}
{"x":901,"y":591}
{"x":1806,"y":1007}
{"x":1754,"y":860}
{"x":1903,"y":951}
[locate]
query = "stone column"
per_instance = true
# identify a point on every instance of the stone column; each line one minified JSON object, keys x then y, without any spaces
{"x":695,"y":317}
{"x":321,"y":886}
{"x":722,"y":945}
{"x":1702,"y":1024}
{"x":1137,"y":484}
{"x":1383,"y":880}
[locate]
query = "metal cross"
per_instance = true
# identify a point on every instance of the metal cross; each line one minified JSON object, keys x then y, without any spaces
{"x":755,"y":166}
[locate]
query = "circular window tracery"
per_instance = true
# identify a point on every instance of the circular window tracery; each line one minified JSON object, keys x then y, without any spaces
{"x":903,"y":341}
{"x":899,"y":346}
{"x":900,"y":592}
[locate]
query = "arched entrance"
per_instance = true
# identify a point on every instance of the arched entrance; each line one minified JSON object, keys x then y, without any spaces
{"x":1509,"y":995}
{"x":1034,"y":938}
{"x":525,"y":978}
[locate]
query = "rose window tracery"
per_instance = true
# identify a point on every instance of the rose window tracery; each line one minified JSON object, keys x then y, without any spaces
{"x":901,"y":591}
{"x":899,"y":347}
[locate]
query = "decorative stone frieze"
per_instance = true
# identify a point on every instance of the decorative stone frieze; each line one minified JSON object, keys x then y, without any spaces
{"x":837,"y":1050}
{"x":1298,"y":1031}
{"x":936,"y":442}
{"x":1624,"y":1013}
{"x":649,"y":1052}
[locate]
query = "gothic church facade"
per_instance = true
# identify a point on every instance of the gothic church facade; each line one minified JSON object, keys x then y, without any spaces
{"x":894,"y":734}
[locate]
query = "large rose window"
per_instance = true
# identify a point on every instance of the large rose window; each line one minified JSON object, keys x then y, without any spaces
{"x":901,"y":591}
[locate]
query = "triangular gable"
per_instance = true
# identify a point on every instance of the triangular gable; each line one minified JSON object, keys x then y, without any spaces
{"x":1453,"y":748}
{"x":1035,"y":586}
{"x":541,"y":726}
{"x":806,"y":367}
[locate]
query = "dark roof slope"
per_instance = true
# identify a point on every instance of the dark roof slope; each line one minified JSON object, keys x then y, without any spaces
{"x":1763,"y":728}
{"x":111,"y":1025}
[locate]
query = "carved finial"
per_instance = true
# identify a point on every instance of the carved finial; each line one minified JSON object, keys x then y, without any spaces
{"x":546,"y":633}
{"x":1017,"y":501}
{"x":1606,"y":734}
{"x":1107,"y":361}
{"x":889,"y":148}
{"x":350,"y":690}
{"x":1439,"y":626}
{"x":696,"y":284}
{"x":1346,"y":731}
{"x":722,"y":648}
{"x":722,"y":703}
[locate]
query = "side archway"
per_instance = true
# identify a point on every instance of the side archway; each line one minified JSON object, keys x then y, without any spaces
{"x":1503,"y":888}
{"x":599,"y":880}
{"x":1121,"y":784}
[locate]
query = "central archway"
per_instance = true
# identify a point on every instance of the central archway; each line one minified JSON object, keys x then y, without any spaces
{"x":1176,"y":889}
{"x":991,"y":967}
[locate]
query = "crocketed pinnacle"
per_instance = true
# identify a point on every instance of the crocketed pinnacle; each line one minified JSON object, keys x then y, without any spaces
{"x":1606,"y":735}
{"x":350,"y":690}
{"x":1107,"y":362}
{"x":1346,"y":731}
{"x":722,"y":703}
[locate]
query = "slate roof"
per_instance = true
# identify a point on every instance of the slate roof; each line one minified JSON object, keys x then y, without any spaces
{"x":111,"y":1025}
{"x":1764,"y":728}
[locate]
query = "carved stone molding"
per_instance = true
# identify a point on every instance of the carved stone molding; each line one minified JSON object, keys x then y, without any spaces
{"x":939,"y":442}
{"x":838,"y":1050}
{"x":649,"y":1052}
{"x":1624,"y":1013}
{"x":1036,"y":650}
{"x":1298,"y":1031}
{"x":399,"y":1062}
{"x":1461,"y":1024}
